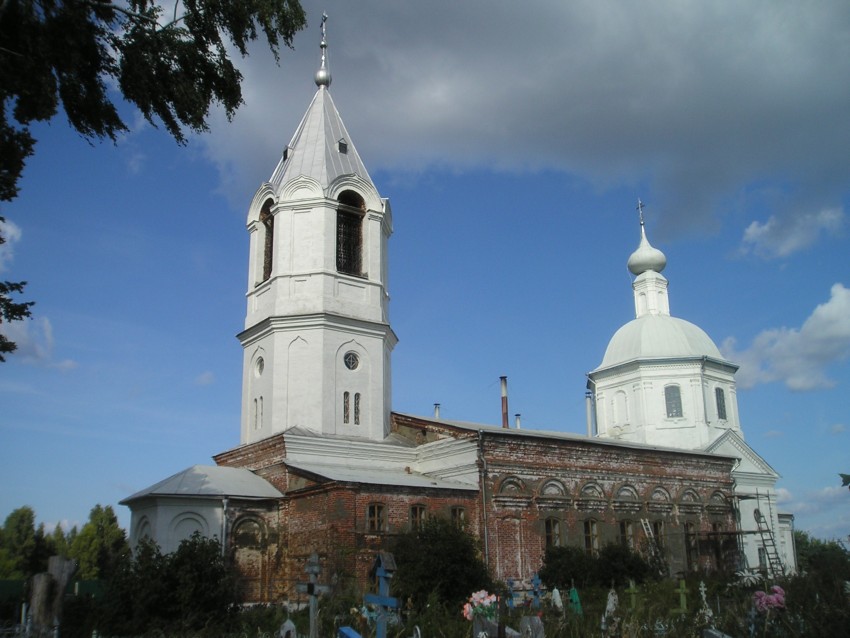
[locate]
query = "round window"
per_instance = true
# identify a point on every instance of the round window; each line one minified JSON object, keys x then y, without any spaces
{"x":259,"y":366}
{"x":352,"y":361}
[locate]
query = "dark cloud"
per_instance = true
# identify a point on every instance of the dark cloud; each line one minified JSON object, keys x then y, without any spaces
{"x":695,"y":100}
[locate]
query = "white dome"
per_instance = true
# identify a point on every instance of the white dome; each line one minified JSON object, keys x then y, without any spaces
{"x":658,"y":336}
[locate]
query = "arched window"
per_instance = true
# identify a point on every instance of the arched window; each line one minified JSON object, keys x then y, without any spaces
{"x":248,"y":534}
{"x":346,"y":408}
{"x":267,"y":220}
{"x":553,"y":487}
{"x":349,"y":234}
{"x":673,"y":401}
{"x":553,"y":532}
{"x":720,"y":400}
{"x":356,"y":408}
{"x":592,"y":490}
{"x":621,"y":408}
{"x":185,"y":525}
{"x":511,"y":485}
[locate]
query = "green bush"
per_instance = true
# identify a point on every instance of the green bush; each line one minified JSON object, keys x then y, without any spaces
{"x":441,"y":560}
{"x":191,"y":589}
{"x":564,"y":567}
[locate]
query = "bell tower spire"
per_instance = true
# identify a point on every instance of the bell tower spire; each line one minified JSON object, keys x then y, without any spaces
{"x":323,"y":75}
{"x":317,"y":341}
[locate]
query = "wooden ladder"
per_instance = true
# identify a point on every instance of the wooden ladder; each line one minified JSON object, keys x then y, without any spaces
{"x":774,"y":563}
{"x":652,"y":542}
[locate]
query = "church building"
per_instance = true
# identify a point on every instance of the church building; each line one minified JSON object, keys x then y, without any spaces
{"x":325,"y":465}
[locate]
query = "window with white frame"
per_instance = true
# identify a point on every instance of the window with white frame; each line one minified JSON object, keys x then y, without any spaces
{"x":673,"y":401}
{"x":720,"y":400}
{"x":376,"y":517}
{"x":591,"y":537}
{"x":417,"y":517}
{"x":553,"y":532}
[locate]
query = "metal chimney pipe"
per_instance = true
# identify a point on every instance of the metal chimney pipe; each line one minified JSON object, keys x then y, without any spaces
{"x":436,"y":410}
{"x":588,"y":408}
{"x":516,"y":422}
{"x":504,"y":381}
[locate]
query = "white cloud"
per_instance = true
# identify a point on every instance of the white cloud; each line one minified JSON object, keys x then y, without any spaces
{"x":799,"y":358}
{"x":783,"y":495}
{"x":205,"y":378}
{"x":816,"y":501}
{"x":34,"y":338}
{"x":11,"y":232}
{"x":782,"y":237}
{"x":838,"y":428}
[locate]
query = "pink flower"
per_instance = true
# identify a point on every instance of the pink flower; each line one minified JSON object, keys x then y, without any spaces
{"x":480,"y":604}
{"x":764,"y":602}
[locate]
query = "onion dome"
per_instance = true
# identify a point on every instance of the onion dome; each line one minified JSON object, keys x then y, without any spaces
{"x":646,"y":257}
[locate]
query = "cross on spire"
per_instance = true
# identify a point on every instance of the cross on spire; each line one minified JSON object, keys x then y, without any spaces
{"x":640,"y":206}
{"x":323,"y":75}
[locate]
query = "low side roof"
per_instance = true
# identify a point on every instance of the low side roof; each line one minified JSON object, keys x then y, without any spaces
{"x":211,"y":481}
{"x":555,"y":436}
{"x":376,"y":476}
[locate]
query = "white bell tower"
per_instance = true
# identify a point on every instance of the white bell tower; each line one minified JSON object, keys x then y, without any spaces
{"x":317,"y":341}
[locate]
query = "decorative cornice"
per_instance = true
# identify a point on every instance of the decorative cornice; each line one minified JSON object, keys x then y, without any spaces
{"x":661,"y":362}
{"x":323,"y":320}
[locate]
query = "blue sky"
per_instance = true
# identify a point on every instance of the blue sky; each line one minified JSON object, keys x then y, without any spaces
{"x":513,"y":142}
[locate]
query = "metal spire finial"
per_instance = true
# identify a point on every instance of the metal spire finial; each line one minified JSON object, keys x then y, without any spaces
{"x":323,"y":75}
{"x":640,"y":210}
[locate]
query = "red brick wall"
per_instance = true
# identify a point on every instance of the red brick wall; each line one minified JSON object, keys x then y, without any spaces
{"x":519,"y":468}
{"x":522,"y":474}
